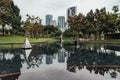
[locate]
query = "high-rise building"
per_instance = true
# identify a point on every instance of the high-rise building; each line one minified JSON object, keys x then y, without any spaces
{"x":53,"y":23}
{"x":61,"y":23}
{"x":49,"y":19}
{"x":72,"y":11}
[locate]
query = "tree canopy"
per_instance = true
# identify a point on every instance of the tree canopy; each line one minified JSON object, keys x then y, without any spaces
{"x":97,"y":23}
{"x":10,"y":15}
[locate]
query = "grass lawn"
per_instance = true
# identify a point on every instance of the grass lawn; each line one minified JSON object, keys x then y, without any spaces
{"x":20,"y":39}
{"x":68,"y":39}
{"x":107,"y":41}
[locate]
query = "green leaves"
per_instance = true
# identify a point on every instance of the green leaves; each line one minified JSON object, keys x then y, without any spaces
{"x":10,"y":14}
{"x":32,"y":26}
{"x":99,"y":22}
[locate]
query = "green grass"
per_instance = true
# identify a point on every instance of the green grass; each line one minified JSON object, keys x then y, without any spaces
{"x":20,"y":39}
{"x":11,"y":39}
{"x":68,"y":39}
{"x":107,"y":41}
{"x":11,"y":46}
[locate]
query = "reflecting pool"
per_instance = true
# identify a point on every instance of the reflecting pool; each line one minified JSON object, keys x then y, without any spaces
{"x":54,"y":61}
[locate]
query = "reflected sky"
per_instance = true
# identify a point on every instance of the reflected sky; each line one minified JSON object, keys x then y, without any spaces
{"x":51,"y":61}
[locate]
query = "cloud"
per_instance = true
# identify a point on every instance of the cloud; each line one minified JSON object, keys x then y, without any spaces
{"x":58,"y":7}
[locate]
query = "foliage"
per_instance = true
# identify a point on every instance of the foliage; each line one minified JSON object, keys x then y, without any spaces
{"x":10,"y":15}
{"x":70,"y":33}
{"x":33,"y":26}
{"x":76,"y":22}
{"x":51,"y":31}
{"x":97,"y":23}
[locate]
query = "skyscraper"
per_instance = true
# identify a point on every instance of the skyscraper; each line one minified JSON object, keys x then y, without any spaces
{"x":53,"y":23}
{"x":49,"y":19}
{"x":61,"y":23}
{"x":72,"y":11}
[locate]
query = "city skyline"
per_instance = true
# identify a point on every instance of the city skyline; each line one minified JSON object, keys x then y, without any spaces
{"x":61,"y":23}
{"x":59,"y":7}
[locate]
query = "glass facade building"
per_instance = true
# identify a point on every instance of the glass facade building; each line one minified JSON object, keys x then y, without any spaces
{"x":49,"y":19}
{"x":61,"y":22}
{"x":72,"y":11}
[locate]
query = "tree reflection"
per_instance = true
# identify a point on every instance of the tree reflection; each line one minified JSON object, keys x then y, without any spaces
{"x":95,"y":58}
{"x":39,"y":51}
{"x":95,"y":61}
{"x":112,"y":71}
{"x":10,"y":65}
{"x":11,"y":77}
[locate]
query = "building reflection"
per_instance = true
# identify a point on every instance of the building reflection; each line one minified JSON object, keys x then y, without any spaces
{"x":61,"y":55}
{"x":49,"y":59}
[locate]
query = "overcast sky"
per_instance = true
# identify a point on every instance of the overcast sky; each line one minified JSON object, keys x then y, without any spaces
{"x":58,"y":7}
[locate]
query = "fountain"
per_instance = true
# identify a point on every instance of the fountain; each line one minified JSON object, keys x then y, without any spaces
{"x":26,"y":44}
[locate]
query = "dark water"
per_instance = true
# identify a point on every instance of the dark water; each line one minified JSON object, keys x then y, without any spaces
{"x":61,"y":62}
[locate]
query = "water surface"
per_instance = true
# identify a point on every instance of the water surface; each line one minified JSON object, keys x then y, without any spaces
{"x":54,"y":61}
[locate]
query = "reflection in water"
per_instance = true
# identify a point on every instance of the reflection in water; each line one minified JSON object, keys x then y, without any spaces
{"x":103,"y":70}
{"x":11,"y":77}
{"x":95,"y":58}
{"x":61,"y":55}
{"x":27,"y":53}
{"x":10,"y":65}
{"x":49,"y":59}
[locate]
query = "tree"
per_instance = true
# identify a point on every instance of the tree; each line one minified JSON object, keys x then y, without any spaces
{"x":9,"y":14}
{"x":77,"y":22}
{"x":115,"y":9}
{"x":16,"y":18}
{"x":101,"y":21}
{"x":4,"y":14}
{"x":33,"y":26}
{"x":70,"y":33}
{"x":51,"y":31}
{"x":90,"y":23}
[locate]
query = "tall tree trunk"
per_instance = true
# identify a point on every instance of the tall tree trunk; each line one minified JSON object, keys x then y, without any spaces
{"x":95,"y":37}
{"x":3,"y":29}
{"x":89,"y":35}
{"x":99,"y":36}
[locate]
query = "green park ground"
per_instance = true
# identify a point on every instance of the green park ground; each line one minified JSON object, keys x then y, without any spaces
{"x":20,"y":39}
{"x":7,"y":41}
